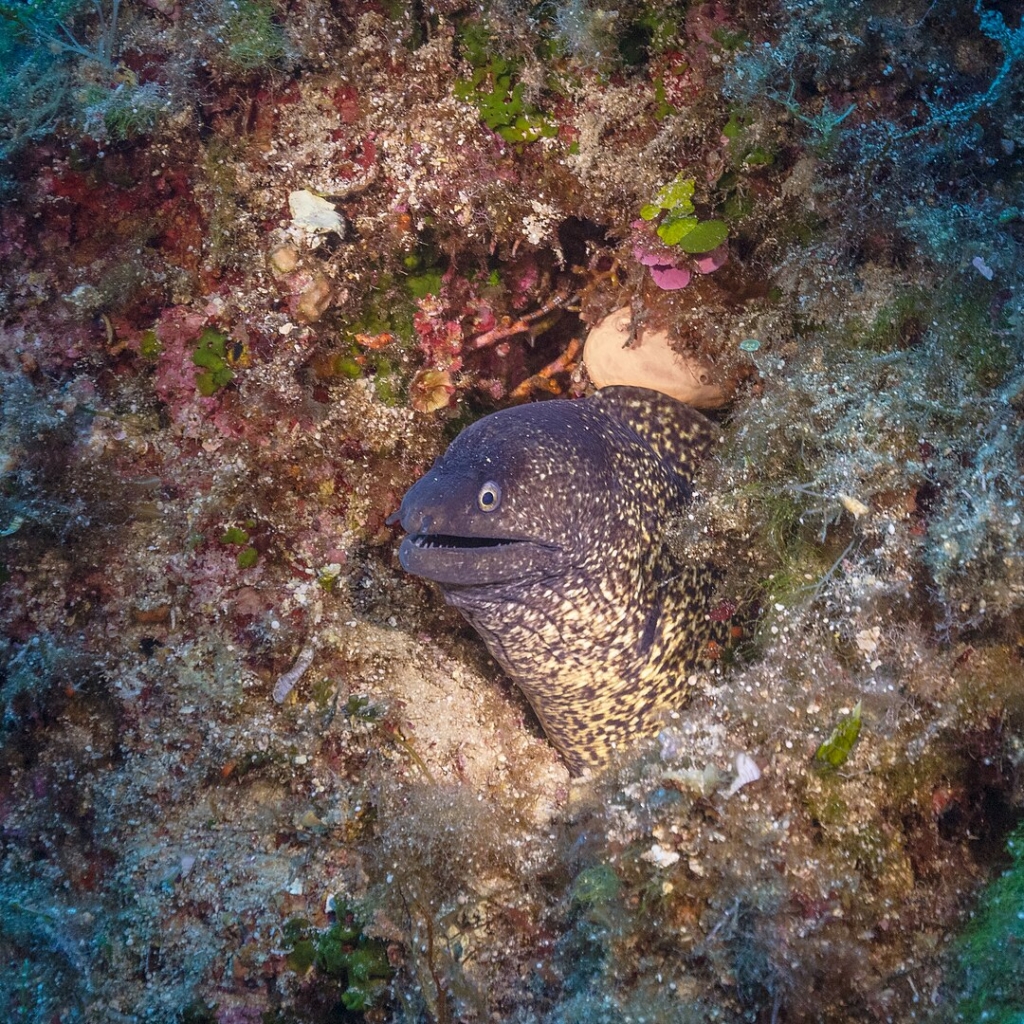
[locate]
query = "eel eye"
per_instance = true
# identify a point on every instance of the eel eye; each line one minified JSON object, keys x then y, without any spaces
{"x":489,"y":497}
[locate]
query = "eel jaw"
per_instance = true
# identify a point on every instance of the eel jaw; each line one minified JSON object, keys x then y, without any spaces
{"x":473,"y":561}
{"x":450,"y":542}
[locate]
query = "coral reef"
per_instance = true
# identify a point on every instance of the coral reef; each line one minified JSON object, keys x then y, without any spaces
{"x":259,"y":263}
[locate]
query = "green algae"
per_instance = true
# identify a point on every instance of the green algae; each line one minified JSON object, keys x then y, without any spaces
{"x":346,"y":365}
{"x":149,"y":345}
{"x":594,"y":886}
{"x":343,"y":956}
{"x":253,"y":40}
{"x":898,"y":324}
{"x":836,"y":750}
{"x":235,"y":536}
{"x":247,"y":558}
{"x":211,"y":356}
{"x":677,"y":225}
{"x":494,"y":89}
{"x":990,"y":953}
{"x":123,"y":112}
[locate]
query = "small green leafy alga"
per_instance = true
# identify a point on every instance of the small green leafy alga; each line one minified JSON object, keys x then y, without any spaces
{"x":835,"y":751}
{"x":211,"y":357}
{"x":678,"y":224}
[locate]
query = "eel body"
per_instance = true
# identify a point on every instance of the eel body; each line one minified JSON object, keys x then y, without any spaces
{"x":545,"y":525}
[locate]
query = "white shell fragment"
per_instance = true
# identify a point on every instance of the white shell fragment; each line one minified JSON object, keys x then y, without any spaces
{"x":286,"y":683}
{"x":651,"y":362}
{"x":695,"y":780}
{"x":660,"y":857}
{"x":853,"y":506}
{"x":983,"y":268}
{"x":746,"y":772}
{"x":312,"y":214}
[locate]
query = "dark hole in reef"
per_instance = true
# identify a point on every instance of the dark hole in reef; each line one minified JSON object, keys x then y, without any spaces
{"x":997,"y":818}
{"x":634,"y":44}
{"x":984,"y":812}
{"x":576,"y":237}
{"x":890,"y":248}
{"x":332,"y":241}
{"x":584,"y":248}
{"x":516,"y":360}
{"x":149,"y":645}
{"x":928,"y":494}
{"x":551,"y":343}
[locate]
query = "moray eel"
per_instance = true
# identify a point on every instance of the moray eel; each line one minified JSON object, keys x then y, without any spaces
{"x":545,"y":526}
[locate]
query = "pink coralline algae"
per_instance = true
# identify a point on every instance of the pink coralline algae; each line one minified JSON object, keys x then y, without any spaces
{"x":670,"y":278}
{"x":439,"y":335}
{"x":663,"y":264}
{"x":175,"y":379}
{"x":711,"y":261}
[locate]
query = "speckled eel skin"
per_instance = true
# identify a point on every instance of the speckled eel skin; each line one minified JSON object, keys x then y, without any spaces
{"x":545,"y":526}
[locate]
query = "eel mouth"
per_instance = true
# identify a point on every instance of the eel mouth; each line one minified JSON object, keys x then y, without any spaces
{"x":477,"y":561}
{"x":450,"y":542}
